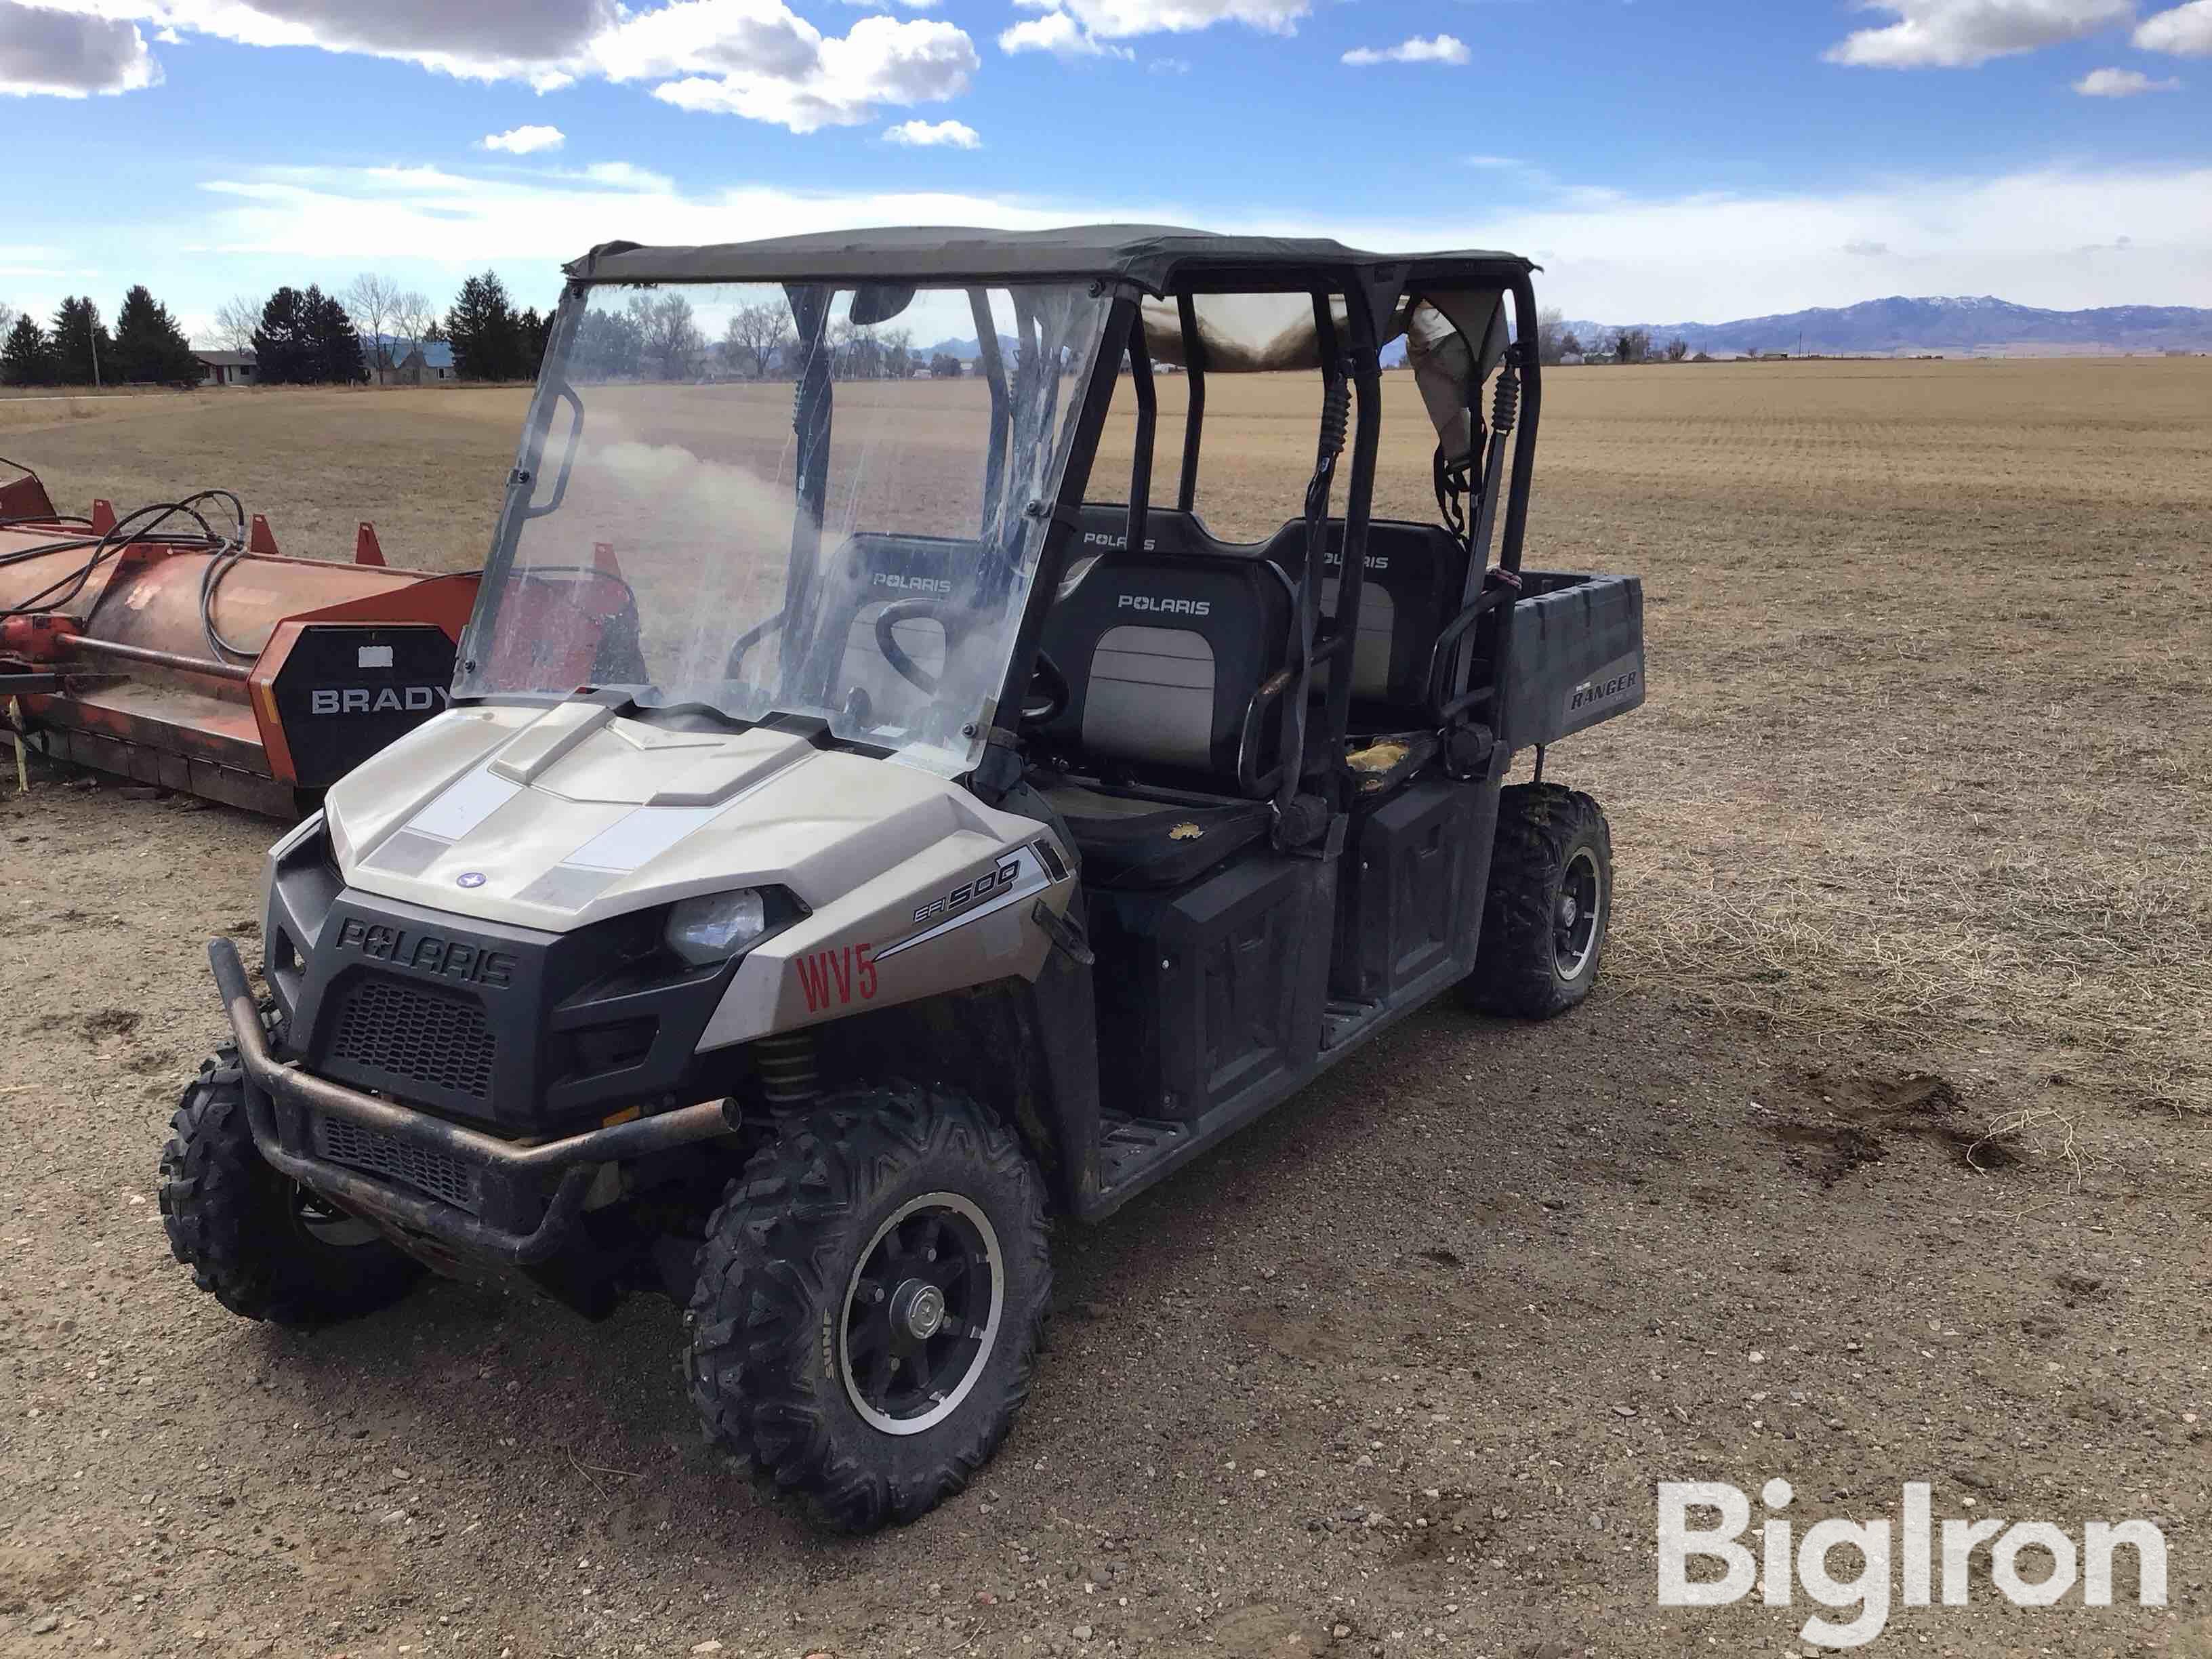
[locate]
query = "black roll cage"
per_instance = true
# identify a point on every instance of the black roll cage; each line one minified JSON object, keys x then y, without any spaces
{"x":1370,"y":293}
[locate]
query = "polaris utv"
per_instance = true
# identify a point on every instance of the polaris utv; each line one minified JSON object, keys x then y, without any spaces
{"x":853,"y":842}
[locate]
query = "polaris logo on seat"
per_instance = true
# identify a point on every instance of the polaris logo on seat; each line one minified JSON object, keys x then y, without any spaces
{"x":911,"y":584}
{"x":1100,"y":538}
{"x":373,"y":699}
{"x":1167,"y":607}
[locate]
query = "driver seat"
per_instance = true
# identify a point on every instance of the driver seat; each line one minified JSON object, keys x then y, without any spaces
{"x":1166,"y":655}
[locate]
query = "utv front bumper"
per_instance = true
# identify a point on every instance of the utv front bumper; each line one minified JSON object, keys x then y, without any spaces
{"x":290,"y":1110}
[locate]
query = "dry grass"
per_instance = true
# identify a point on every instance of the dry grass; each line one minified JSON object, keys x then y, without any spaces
{"x":1927,"y":773}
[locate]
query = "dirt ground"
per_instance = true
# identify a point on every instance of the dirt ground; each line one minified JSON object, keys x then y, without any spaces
{"x":1879,"y":1154}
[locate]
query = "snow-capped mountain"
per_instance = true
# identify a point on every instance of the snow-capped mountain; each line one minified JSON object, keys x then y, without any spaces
{"x":1962,"y":322}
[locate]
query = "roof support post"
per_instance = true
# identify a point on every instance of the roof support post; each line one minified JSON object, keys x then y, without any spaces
{"x":1532,"y":401}
{"x":1328,"y":446}
{"x":810,"y":422}
{"x":1194,"y":428}
{"x":1140,"y":470}
{"x":1059,"y":532}
{"x":994,"y":368}
{"x":1366,"y":366}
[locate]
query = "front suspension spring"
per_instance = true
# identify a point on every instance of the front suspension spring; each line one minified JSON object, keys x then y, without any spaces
{"x":789,"y":1074}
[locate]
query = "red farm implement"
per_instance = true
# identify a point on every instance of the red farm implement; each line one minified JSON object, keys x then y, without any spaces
{"x":176,"y":647}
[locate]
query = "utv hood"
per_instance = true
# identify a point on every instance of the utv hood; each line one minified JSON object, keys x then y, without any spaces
{"x":554,"y":818}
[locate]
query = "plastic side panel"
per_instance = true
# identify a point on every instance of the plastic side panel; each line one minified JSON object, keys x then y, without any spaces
{"x":1577,"y":656}
{"x":1208,"y":993}
{"x":1404,"y":907}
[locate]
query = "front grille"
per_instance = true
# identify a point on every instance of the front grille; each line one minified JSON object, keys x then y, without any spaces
{"x":428,"y":1037}
{"x":439,"y":1174}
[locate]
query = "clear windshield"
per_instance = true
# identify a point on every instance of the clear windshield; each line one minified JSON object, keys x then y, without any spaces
{"x":794,"y":501}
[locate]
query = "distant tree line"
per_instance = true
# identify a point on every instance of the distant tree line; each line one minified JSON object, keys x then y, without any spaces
{"x":374,"y":329}
{"x":77,"y":348}
{"x":1556,"y":342}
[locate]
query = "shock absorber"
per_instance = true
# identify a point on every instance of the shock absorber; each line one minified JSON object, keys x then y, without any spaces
{"x":1506,"y":407}
{"x":789,"y":1077}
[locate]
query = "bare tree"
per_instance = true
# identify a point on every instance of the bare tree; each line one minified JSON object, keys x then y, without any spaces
{"x":413,"y":317}
{"x":670,"y":333}
{"x":374,"y":300}
{"x":755,"y":336}
{"x":1677,"y":348}
{"x":6,"y":316}
{"x":1632,"y":345}
{"x":235,"y":320}
{"x":898,"y":352}
{"x":1551,"y":334}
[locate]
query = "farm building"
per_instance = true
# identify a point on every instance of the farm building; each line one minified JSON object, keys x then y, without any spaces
{"x":225,"y":367}
{"x":425,"y":365}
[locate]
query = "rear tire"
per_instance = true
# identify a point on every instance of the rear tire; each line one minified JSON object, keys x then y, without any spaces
{"x":869,"y":1300}
{"x":1549,"y":907}
{"x":258,"y":1241}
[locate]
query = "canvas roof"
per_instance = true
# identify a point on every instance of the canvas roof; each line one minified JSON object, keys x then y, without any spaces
{"x":1153,"y":256}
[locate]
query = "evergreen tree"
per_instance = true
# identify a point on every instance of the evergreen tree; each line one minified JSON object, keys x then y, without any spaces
{"x":27,"y":358}
{"x":78,"y":338}
{"x":148,"y":344}
{"x":532,"y":330}
{"x":608,"y":346}
{"x":338,"y":352}
{"x":285,"y":345}
{"x":486,"y":334}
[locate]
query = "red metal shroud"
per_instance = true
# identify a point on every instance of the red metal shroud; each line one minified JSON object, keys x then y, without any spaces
{"x":332,"y":660}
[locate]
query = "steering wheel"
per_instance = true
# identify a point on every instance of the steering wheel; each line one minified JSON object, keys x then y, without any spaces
{"x":904,"y":610}
{"x":745,"y":641}
{"x":1048,"y":693}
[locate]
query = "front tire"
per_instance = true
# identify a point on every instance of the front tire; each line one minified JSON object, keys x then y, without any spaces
{"x":260,"y":1243}
{"x":869,"y":1301}
{"x":1549,"y":907}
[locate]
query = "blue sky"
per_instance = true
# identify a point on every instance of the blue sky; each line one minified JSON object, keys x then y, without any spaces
{"x":1666,"y":160}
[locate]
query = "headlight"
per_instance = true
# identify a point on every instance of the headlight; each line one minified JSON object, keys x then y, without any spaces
{"x":714,"y":926}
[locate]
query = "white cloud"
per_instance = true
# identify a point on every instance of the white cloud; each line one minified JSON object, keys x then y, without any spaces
{"x":1169,"y":66}
{"x":1960,"y":34}
{"x":624,"y":175}
{"x":2185,"y":31}
{"x":525,"y":141}
{"x":1059,"y":34}
{"x":2043,"y":238}
{"x":479,"y":40}
{"x":1444,"y":49}
{"x":957,"y":134}
{"x":61,"y":54}
{"x":2121,"y":83}
{"x":1084,"y":28}
{"x":756,"y":58}
{"x":818,"y":82}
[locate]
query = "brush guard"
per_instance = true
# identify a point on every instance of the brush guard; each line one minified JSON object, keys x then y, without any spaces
{"x":287,"y":1110}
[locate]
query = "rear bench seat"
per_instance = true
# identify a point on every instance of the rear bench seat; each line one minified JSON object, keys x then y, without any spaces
{"x":1164,"y":649}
